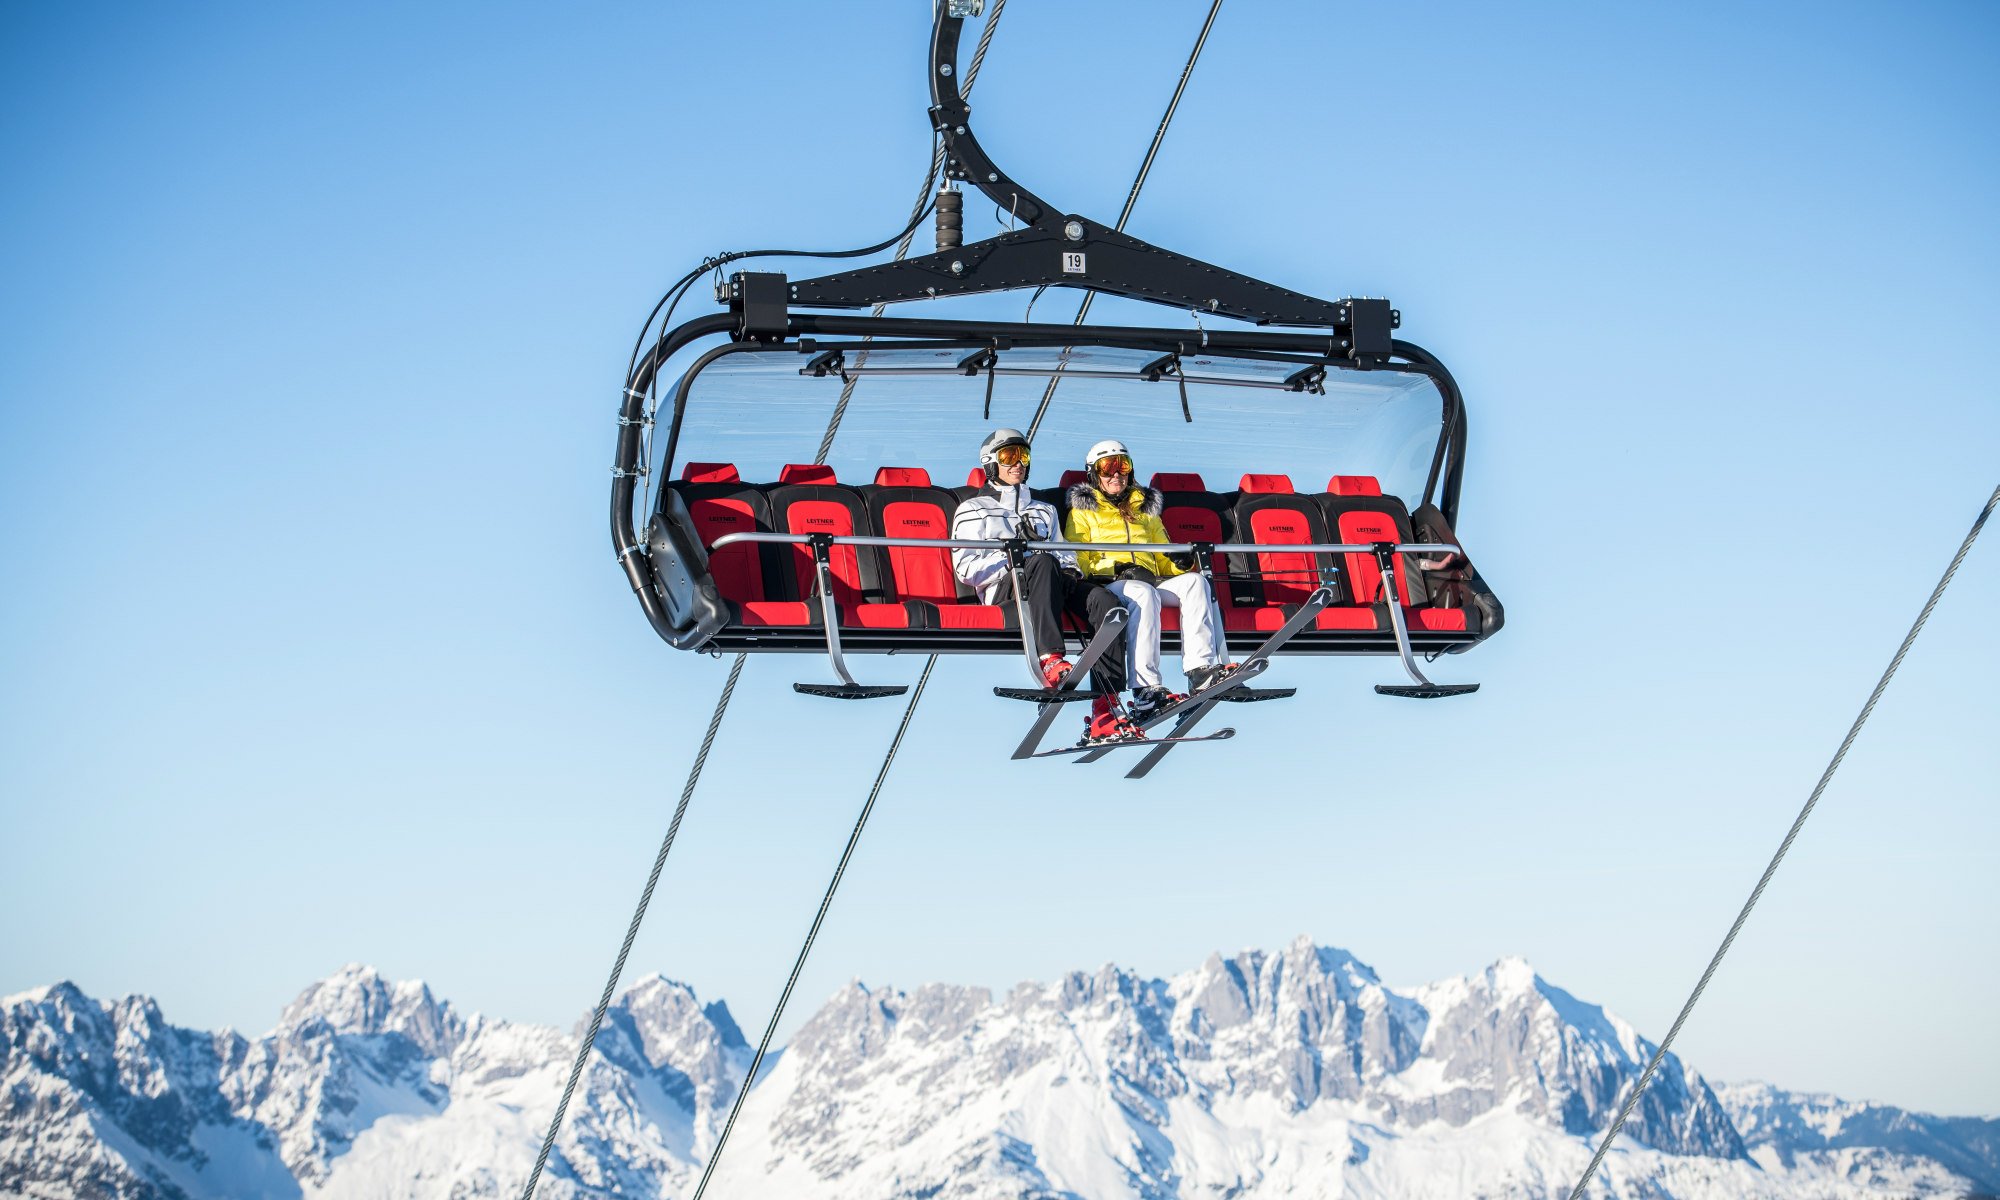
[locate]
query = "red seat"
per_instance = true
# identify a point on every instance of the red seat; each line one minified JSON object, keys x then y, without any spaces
{"x":809,"y":499}
{"x":1269,"y":512}
{"x":719,"y":503}
{"x":903,"y":504}
{"x":1192,"y":513}
{"x":1358,"y":512}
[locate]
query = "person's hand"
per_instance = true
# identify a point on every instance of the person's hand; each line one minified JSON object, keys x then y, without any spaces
{"x":1134,"y":571}
{"x":1184,"y":561}
{"x":1073,"y":573}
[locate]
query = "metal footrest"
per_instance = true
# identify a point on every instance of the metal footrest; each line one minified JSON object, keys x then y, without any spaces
{"x":1044,"y":695}
{"x":1250,"y":695}
{"x":850,"y":691}
{"x":1431,"y":691}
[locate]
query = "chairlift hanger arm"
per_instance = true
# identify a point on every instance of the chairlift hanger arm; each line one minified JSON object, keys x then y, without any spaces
{"x":1054,"y":249}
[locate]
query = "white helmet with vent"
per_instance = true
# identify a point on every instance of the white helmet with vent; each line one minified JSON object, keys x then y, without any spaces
{"x":1103,"y":450}
{"x":989,"y":450}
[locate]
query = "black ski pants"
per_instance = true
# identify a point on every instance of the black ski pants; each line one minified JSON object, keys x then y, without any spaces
{"x":1050,"y":593}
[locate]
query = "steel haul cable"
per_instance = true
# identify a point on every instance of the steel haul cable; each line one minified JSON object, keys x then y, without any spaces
{"x":632,"y":930}
{"x":722,"y":706}
{"x":903,"y":247}
{"x":1791,"y":835}
{"x":826,"y":902}
{"x":825,"y":447}
{"x":1131,"y":200}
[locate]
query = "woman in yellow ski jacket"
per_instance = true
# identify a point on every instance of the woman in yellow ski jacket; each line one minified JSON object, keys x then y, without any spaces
{"x":1109,"y":507}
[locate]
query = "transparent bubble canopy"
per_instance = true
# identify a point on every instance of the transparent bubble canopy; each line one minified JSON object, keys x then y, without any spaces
{"x":921,"y":408}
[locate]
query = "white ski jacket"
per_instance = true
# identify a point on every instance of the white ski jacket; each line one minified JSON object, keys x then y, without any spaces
{"x":994,"y":513}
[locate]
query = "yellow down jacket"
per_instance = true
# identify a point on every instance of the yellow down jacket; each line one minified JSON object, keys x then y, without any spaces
{"x":1133,"y":517}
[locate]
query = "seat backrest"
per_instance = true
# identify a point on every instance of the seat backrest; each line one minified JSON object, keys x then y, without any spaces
{"x":900,"y":506}
{"x":719,"y":503}
{"x":974,"y":480}
{"x":826,"y":507}
{"x":1269,"y":512}
{"x":1357,"y":512}
{"x":1192,"y":513}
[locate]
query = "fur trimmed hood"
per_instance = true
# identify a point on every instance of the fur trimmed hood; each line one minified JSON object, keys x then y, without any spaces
{"x":1086,"y":497}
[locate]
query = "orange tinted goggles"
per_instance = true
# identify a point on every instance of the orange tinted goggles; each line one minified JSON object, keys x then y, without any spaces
{"x":1011,"y":456}
{"x":1113,"y":464}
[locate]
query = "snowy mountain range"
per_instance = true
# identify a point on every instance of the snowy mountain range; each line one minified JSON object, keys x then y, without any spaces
{"x":1296,"y":1073}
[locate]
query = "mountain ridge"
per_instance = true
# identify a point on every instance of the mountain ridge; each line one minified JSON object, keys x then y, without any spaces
{"x":1294,"y":1071}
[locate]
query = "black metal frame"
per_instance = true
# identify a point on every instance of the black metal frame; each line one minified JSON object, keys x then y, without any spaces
{"x":1044,"y":251}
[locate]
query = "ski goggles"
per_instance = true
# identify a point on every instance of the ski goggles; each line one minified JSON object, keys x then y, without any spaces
{"x":1113,"y":464}
{"x":1011,"y":456}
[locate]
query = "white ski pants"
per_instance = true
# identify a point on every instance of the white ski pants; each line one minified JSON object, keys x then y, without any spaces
{"x":1201,"y":624}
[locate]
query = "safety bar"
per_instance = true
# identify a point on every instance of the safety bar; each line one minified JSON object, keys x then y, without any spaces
{"x":801,"y":539}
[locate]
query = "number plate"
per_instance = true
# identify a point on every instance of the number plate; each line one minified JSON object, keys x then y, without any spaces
{"x":1073,"y":262}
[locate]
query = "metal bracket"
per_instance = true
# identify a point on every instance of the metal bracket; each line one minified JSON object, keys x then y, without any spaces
{"x":982,"y":360}
{"x":825,"y":363}
{"x":760,"y":300}
{"x":846,"y":689}
{"x":1422,"y":689}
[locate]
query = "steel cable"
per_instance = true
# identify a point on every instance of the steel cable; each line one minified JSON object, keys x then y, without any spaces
{"x":841,"y":871}
{"x":632,"y":930}
{"x":1131,"y":201}
{"x":909,"y":235}
{"x":1791,"y":835}
{"x":826,"y":902}
{"x":812,"y":935}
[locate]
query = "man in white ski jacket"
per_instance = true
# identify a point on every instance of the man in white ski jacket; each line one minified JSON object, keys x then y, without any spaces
{"x":1004,"y":508}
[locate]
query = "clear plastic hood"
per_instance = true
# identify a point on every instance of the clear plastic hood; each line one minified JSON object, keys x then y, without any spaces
{"x":916,"y":408}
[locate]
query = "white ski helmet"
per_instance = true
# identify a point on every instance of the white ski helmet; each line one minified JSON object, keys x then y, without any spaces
{"x":1105,"y":449}
{"x":989,"y":450}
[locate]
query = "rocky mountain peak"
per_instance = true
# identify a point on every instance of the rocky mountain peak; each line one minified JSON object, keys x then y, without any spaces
{"x":357,"y":1000}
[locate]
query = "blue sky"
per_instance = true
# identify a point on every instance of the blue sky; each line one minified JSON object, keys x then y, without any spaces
{"x":314,"y":649}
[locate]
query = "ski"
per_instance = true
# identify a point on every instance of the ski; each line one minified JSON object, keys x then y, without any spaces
{"x":1188,"y":712}
{"x":1113,"y":626}
{"x":1220,"y":735}
{"x":1202,"y":700}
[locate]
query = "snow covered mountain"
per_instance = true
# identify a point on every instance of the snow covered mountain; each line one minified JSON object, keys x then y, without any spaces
{"x":1295,"y":1073}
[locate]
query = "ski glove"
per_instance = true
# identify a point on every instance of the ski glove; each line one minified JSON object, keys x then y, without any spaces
{"x":1136,"y":572}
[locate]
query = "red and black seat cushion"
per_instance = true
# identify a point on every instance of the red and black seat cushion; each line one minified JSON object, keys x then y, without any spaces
{"x":808,"y":499}
{"x":903,"y":504}
{"x":1357,"y":512}
{"x":719,"y":504}
{"x":1269,"y":513}
{"x":1192,"y":513}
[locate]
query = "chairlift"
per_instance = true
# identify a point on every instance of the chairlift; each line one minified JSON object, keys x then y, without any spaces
{"x":852,"y":557}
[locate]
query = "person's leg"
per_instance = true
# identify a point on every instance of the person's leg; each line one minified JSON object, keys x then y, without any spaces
{"x":1201,"y":633}
{"x":1142,"y":629}
{"x":1089,"y":603}
{"x":1043,"y":582}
